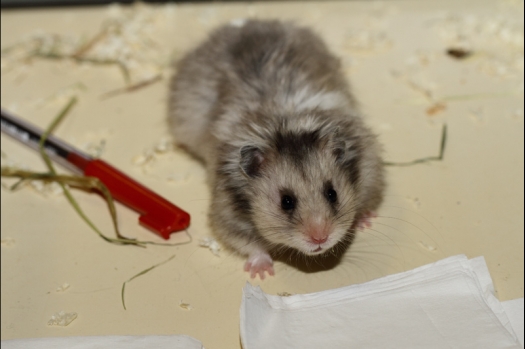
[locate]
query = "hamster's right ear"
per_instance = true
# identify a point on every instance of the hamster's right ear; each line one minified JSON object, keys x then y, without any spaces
{"x":251,"y":160}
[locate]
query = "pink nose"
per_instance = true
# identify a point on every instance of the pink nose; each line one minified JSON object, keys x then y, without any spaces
{"x":318,"y":240}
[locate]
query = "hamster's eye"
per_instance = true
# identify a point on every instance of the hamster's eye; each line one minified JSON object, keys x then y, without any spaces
{"x":287,"y":202}
{"x":331,"y":195}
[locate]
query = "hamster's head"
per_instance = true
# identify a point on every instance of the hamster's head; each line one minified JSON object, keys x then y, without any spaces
{"x":302,"y":186}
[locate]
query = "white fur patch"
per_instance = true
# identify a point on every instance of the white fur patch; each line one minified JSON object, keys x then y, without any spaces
{"x":317,"y":220}
{"x":306,"y":99}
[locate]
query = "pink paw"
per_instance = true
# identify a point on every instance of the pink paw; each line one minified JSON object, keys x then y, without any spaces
{"x":364,"y":221}
{"x":259,"y":263}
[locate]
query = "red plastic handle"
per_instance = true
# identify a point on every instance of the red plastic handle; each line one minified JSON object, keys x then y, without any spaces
{"x":156,"y":213}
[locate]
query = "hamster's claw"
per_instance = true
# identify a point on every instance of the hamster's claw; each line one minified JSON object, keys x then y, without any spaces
{"x":364,"y":222}
{"x":259,"y":263}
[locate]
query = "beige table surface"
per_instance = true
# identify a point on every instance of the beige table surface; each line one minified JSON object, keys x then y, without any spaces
{"x":394,"y":54}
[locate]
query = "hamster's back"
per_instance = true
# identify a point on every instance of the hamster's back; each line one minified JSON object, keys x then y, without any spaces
{"x":262,"y":64}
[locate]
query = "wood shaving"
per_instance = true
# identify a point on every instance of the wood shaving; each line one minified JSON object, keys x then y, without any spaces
{"x":427,"y":247}
{"x":143,"y":159}
{"x":415,"y":75}
{"x":62,"y":318}
{"x":157,"y":161}
{"x":211,"y":244}
{"x":46,"y":188}
{"x":415,"y":202}
{"x":94,"y":142}
{"x":63,"y":288}
{"x":163,"y":146}
{"x":478,"y":115}
{"x":178,"y":177}
{"x":185,"y":306}
{"x":436,"y":108}
{"x":7,"y":242}
{"x":458,"y":53}
{"x":284,"y":294}
{"x":149,"y":155}
{"x":95,"y":149}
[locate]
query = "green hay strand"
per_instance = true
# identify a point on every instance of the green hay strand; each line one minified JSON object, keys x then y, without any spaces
{"x":429,"y":158}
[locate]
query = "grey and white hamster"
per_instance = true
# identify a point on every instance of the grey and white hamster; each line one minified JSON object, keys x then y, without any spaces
{"x":290,"y":161}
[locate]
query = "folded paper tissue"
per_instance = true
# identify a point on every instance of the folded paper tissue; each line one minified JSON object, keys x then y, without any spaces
{"x":447,"y":304}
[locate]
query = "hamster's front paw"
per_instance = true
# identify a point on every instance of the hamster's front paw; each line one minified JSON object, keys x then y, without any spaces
{"x":258,"y":263}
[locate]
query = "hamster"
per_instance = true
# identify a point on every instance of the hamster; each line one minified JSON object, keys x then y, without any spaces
{"x":290,"y":162}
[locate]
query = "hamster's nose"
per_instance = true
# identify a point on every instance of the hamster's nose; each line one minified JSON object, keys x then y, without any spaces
{"x":317,"y":232}
{"x":318,"y":240}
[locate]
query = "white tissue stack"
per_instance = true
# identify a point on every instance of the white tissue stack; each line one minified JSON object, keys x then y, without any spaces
{"x":447,"y":304}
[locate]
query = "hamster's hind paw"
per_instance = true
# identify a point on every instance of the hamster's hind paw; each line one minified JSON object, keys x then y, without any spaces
{"x":364,"y":221}
{"x":259,"y":263}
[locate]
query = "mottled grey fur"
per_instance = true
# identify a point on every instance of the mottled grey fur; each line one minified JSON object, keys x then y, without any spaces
{"x":268,"y":110}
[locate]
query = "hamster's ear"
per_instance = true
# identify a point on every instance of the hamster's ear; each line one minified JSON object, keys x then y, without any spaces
{"x":251,"y":160}
{"x":344,"y":149}
{"x":347,"y":154}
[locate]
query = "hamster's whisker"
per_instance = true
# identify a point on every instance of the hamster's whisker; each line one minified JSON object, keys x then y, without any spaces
{"x":399,"y":231}
{"x":367,"y":230}
{"x":415,"y":226}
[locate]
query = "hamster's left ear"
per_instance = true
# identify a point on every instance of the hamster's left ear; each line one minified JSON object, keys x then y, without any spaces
{"x":347,"y":153}
{"x":251,"y":160}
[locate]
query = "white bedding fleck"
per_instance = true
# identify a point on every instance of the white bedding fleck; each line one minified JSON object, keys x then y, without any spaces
{"x":62,"y":318}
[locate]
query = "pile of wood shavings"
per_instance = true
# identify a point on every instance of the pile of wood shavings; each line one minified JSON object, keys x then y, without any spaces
{"x":126,"y":39}
{"x":370,"y":35}
{"x":157,"y":161}
{"x":497,"y":39}
{"x":131,"y":41}
{"x":150,"y":155}
{"x":211,"y":244}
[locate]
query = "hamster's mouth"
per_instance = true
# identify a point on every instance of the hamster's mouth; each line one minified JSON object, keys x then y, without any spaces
{"x":313,"y":249}
{"x":316,"y":251}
